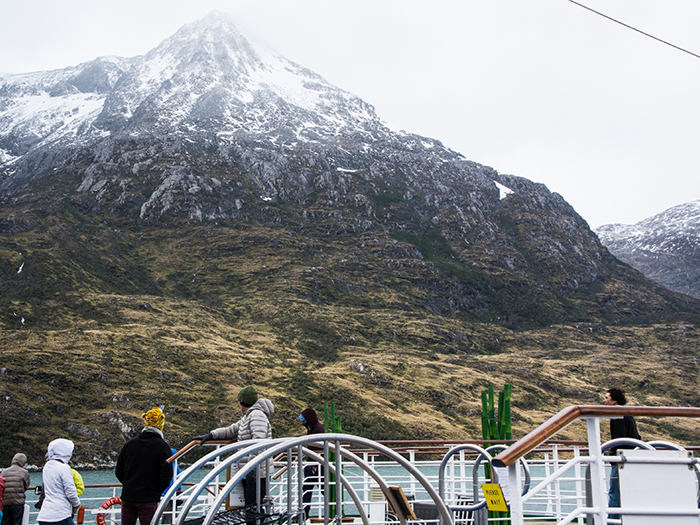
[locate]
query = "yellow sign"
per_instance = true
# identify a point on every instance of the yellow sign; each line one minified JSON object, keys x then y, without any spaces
{"x":494,"y":497}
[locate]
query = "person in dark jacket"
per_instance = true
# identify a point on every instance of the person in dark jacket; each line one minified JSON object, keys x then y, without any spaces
{"x":143,"y":470}
{"x":313,"y":474}
{"x":16,"y":484}
{"x":626,"y":427}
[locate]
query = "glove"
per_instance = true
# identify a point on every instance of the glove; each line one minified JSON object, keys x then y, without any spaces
{"x":203,"y":439}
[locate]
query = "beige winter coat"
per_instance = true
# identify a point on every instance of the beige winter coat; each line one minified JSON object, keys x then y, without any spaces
{"x":16,"y":481}
{"x":253,"y":425}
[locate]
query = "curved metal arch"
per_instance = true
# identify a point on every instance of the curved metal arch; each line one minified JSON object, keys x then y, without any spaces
{"x":273,"y":450}
{"x":353,"y":493}
{"x":475,"y":474}
{"x":483,"y":453}
{"x":369,"y":470}
{"x":440,"y":504}
{"x":665,"y":445}
{"x":247,"y":447}
{"x":446,"y":458}
{"x":185,"y":475}
{"x":624,"y":441}
{"x":281,"y":447}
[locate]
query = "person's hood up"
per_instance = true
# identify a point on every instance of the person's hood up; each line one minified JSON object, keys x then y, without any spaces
{"x":310,"y":417}
{"x":60,"y":450}
{"x":311,"y":422}
{"x":265,"y":405}
{"x":19,"y":459}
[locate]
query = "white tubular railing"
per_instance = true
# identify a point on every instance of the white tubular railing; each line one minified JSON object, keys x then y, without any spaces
{"x":441,"y":481}
{"x":598,"y":509}
{"x":455,"y":471}
{"x":260,"y":451}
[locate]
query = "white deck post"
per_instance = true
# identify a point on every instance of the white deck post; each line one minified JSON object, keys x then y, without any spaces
{"x":599,"y":496}
{"x":516,"y":503}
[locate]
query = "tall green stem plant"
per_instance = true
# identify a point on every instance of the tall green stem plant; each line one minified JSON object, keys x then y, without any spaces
{"x":496,"y":426}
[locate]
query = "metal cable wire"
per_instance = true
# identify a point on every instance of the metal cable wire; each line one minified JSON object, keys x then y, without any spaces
{"x":635,"y":29}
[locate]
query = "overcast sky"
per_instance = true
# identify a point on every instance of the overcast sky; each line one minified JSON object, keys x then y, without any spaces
{"x":543,"y":89}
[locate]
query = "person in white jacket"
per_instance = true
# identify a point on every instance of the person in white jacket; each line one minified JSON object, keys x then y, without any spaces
{"x":60,"y":495}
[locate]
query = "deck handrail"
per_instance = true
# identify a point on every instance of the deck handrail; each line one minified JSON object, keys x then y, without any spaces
{"x":570,"y":414}
{"x":419,"y":446}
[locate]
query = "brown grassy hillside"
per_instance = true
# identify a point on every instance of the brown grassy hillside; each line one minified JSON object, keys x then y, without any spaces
{"x":391,"y":375}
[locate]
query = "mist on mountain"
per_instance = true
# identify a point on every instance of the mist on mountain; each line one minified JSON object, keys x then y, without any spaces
{"x":210,"y":215}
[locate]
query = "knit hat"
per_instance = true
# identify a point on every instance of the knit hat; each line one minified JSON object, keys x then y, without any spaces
{"x":248,"y":395}
{"x":154,"y":418}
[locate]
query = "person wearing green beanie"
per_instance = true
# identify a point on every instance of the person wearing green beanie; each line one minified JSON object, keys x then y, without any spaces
{"x":248,"y":395}
{"x":254,"y":424}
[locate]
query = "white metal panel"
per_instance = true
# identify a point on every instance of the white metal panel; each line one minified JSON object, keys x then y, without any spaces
{"x":657,"y":487}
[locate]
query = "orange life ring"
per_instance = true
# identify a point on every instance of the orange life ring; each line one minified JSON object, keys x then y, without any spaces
{"x":100,"y":519}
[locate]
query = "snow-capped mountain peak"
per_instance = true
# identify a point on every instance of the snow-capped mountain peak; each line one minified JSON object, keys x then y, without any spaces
{"x":207,"y":127}
{"x":208,"y":70}
{"x":677,"y":228}
{"x":206,"y":73}
{"x":40,"y":108}
{"x":664,"y":247}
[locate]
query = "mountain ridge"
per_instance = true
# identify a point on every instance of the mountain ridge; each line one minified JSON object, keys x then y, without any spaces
{"x":664,"y":247}
{"x":191,"y":228}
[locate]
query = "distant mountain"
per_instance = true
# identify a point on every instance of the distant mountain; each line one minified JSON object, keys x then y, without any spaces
{"x":206,"y":127}
{"x":209,"y":214}
{"x":665,"y":247}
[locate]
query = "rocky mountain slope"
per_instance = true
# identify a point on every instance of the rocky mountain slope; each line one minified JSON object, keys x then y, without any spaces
{"x":665,"y":247}
{"x":178,"y":224}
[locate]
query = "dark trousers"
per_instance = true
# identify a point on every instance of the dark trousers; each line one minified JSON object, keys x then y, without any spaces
{"x":250,"y":496}
{"x":142,"y":511}
{"x":67,"y":521}
{"x":12,"y":514}
{"x":313,"y":474}
{"x":614,"y":492}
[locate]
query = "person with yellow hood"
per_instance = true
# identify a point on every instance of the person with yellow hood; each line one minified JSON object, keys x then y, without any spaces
{"x":143,"y":470}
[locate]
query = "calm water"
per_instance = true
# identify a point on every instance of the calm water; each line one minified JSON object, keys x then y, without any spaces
{"x":90,"y":477}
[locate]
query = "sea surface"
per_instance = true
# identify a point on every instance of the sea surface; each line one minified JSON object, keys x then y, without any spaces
{"x":90,"y":477}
